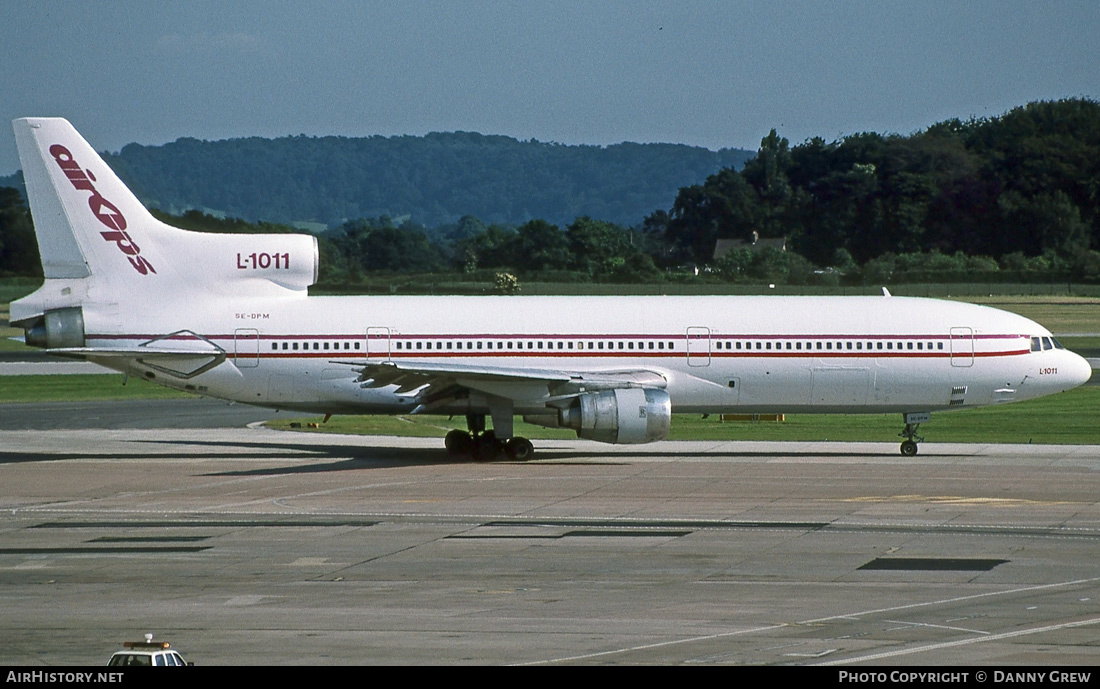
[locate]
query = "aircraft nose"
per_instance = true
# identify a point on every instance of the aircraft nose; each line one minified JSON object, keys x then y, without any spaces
{"x":1080,"y":369}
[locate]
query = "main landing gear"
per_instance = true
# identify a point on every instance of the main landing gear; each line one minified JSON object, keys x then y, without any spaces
{"x":912,"y":423}
{"x":483,"y":445}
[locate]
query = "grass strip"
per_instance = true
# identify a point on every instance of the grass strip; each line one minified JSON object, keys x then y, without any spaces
{"x":80,"y":387}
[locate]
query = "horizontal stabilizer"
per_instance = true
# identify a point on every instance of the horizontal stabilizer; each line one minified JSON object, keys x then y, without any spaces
{"x":133,"y":352}
{"x":177,"y":363}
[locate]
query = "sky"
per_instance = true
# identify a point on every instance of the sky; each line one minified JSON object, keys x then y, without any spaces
{"x":715,"y":74}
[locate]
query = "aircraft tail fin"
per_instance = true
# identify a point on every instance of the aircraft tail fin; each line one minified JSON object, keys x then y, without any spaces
{"x":100,"y":244}
{"x":46,"y":150}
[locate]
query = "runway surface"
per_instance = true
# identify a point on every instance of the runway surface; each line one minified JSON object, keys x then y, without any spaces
{"x":251,"y":546}
{"x":187,"y":412}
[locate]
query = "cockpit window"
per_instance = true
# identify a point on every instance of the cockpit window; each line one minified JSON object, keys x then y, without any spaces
{"x":1057,"y":344}
{"x":1046,"y":344}
{"x":1035,"y":344}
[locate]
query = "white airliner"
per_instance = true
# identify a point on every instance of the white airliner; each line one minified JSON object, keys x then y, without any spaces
{"x":229,"y":316}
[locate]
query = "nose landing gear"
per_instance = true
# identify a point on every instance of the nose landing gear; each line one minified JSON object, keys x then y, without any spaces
{"x":912,"y":423}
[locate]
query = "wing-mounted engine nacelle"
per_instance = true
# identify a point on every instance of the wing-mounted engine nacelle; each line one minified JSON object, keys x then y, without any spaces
{"x":624,"y":416}
{"x":57,"y":328}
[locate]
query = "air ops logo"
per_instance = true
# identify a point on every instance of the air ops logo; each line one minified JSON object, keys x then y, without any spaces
{"x":104,"y":211}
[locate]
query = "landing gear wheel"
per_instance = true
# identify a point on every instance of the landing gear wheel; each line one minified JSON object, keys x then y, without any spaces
{"x":912,"y":425}
{"x":519,"y":449}
{"x":458,"y":442}
{"x":486,"y":447}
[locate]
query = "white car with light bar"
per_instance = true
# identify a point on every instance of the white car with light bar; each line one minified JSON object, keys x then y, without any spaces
{"x":147,"y":653}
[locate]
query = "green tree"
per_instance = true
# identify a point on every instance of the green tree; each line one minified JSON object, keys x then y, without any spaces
{"x":538,"y":245}
{"x":598,"y":247}
{"x":18,"y":248}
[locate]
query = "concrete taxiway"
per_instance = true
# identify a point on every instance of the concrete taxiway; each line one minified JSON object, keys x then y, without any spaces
{"x":252,"y":546}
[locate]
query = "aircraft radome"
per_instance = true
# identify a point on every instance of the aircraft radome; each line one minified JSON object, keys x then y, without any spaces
{"x":230,"y":317}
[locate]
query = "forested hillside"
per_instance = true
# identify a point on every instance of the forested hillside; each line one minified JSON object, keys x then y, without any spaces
{"x":434,"y":179}
{"x":1015,"y":187}
{"x":1011,"y":198}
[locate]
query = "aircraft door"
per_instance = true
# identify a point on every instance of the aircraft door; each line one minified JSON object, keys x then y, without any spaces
{"x":378,"y":343}
{"x":246,"y":348}
{"x":698,"y":346}
{"x":962,"y":347}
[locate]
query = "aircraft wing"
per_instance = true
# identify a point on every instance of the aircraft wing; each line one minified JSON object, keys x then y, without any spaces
{"x":435,"y":384}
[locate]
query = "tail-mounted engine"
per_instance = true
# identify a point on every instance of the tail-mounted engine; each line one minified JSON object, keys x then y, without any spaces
{"x":57,"y":328}
{"x":622,"y":416}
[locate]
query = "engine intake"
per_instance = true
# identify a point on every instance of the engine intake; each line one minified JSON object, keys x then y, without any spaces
{"x":627,"y":416}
